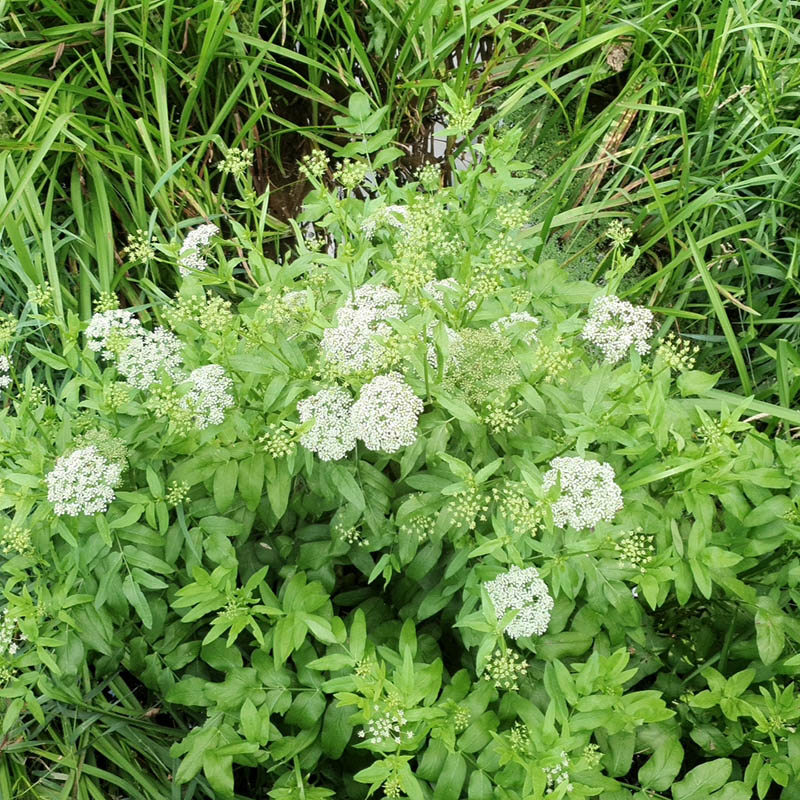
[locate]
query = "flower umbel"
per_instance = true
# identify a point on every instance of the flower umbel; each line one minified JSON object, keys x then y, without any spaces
{"x":110,"y":332}
{"x":505,"y":669}
{"x":521,"y":590}
{"x":615,"y":325}
{"x":190,"y":258}
{"x":82,"y":482}
{"x":5,"y":372}
{"x":331,"y":437}
{"x":588,"y":495}
{"x":210,"y":395}
{"x":147,"y":356}
{"x":385,"y":414}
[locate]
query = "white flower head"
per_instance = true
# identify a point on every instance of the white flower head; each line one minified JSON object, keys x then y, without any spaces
{"x":352,"y":346}
{"x":351,"y":349}
{"x":371,"y":303}
{"x":110,"y":331}
{"x":147,"y":355}
{"x":210,"y":395}
{"x":82,"y":482}
{"x":520,"y":322}
{"x":589,"y":493}
{"x":615,"y":325}
{"x":331,"y":436}
{"x":5,"y":372}
{"x":386,"y":412}
{"x":190,"y":259}
{"x":438,"y":289}
{"x":388,"y":215}
{"x":525,"y":592}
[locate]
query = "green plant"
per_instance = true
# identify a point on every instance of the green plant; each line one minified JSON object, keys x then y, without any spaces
{"x":420,"y":513}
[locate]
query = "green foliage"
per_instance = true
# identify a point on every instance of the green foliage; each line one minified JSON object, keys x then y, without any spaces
{"x":316,"y":606}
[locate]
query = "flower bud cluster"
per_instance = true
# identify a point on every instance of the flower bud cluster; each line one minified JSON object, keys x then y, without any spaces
{"x":677,"y":353}
{"x":505,"y":669}
{"x":636,"y":550}
{"x":16,"y":540}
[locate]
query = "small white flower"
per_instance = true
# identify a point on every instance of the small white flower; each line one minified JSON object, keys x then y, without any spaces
{"x":615,"y":325}
{"x":385,"y":414}
{"x":352,"y":346}
{"x":5,"y":372}
{"x":210,"y":395}
{"x":388,"y":215}
{"x":438,"y":289}
{"x":525,"y":592}
{"x":519,"y":321}
{"x":332,"y":436}
{"x":371,"y":303}
{"x":109,"y":331}
{"x":82,"y":482}
{"x":190,"y":259}
{"x":147,"y":355}
{"x":589,"y":493}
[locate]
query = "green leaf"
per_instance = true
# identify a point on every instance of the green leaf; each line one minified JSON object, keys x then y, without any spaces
{"x":51,"y":359}
{"x":769,"y":631}
{"x":218,"y":770}
{"x":336,"y":730}
{"x":703,"y":780}
{"x":358,"y":635}
{"x":663,"y":766}
{"x":451,"y":778}
{"x":346,"y":483}
{"x":225,"y":479}
{"x":694,"y":382}
{"x":251,"y":480}
{"x":136,"y":598}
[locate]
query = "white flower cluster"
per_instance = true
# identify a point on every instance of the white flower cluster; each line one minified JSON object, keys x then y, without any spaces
{"x":384,"y":417}
{"x":332,"y":435}
{"x":589,"y":493}
{"x":351,"y":346}
{"x":385,"y":414}
{"x":5,"y":372}
{"x":525,"y":592}
{"x":109,"y":331}
{"x":558,"y":774}
{"x":518,"y":321}
{"x":387,"y":726}
{"x":148,"y":354}
{"x":615,"y":325}
{"x":190,"y":259}
{"x":210,"y":395}
{"x":438,"y":289}
{"x":388,"y":215}
{"x":8,"y":635}
{"x":82,"y":482}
